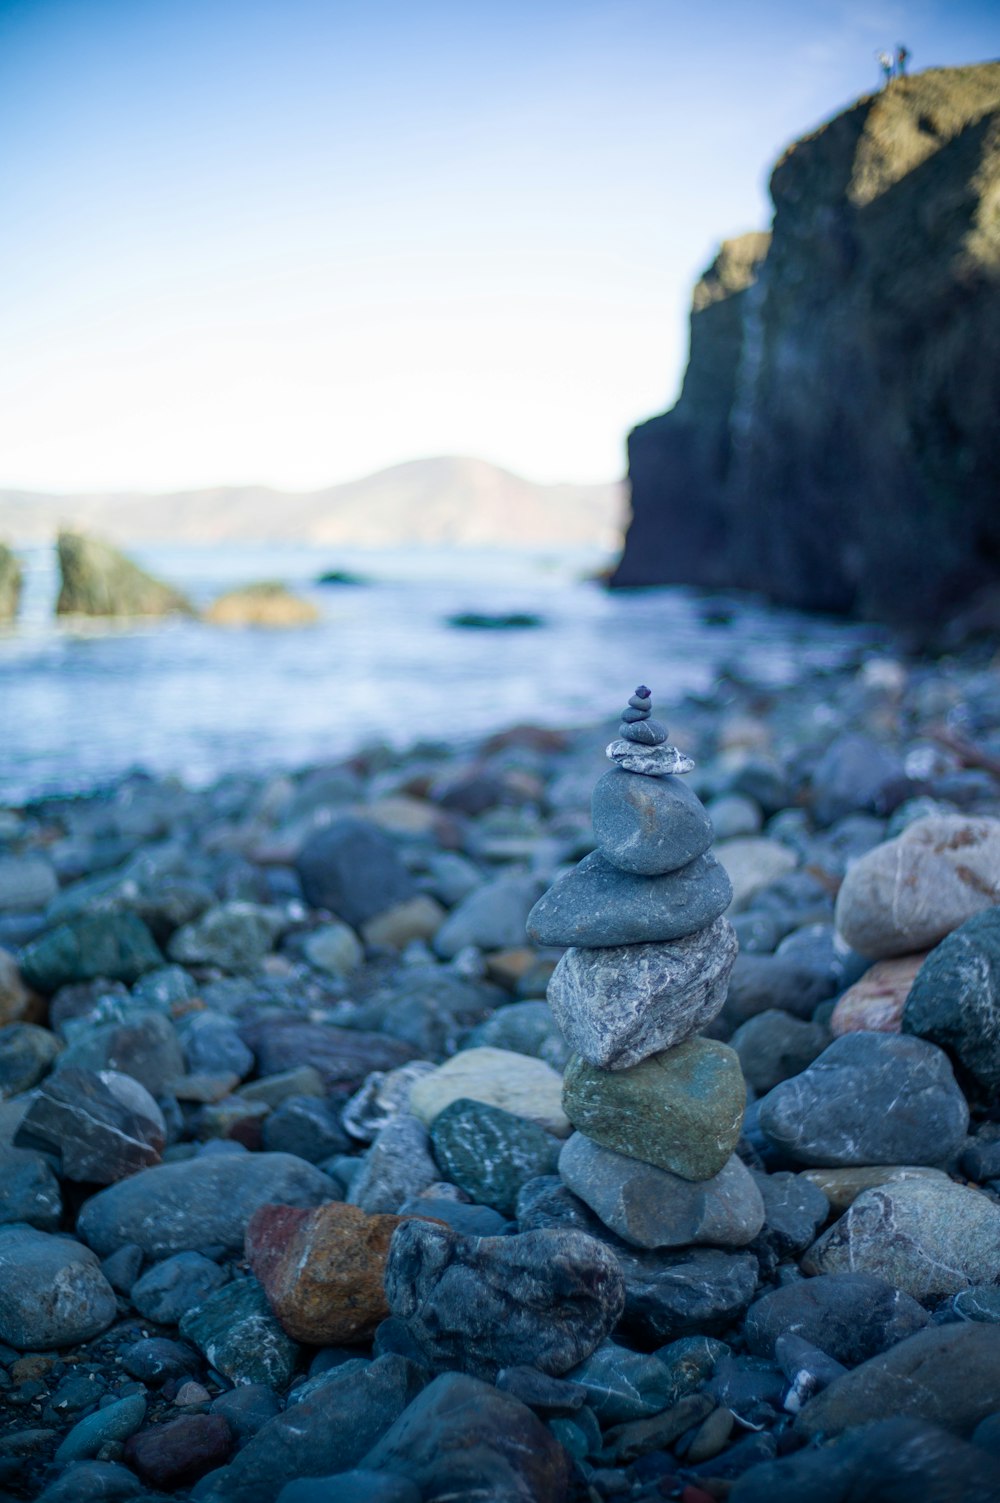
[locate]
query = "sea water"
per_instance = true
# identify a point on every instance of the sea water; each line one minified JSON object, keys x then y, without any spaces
{"x":80,"y":706}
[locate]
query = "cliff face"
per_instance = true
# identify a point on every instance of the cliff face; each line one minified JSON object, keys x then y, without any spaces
{"x":835,"y":444}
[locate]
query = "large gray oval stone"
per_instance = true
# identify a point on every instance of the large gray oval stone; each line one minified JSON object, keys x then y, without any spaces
{"x":597,"y":905}
{"x":617,"y":1005}
{"x":648,"y":825}
{"x":650,"y":1208}
{"x":870,"y":1098}
{"x":681,"y":1109}
{"x":931,"y":1238}
{"x":52,"y":1291}
{"x":198,"y":1203}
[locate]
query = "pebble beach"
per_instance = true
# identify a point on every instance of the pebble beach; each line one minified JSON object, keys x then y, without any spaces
{"x":491,"y":1119}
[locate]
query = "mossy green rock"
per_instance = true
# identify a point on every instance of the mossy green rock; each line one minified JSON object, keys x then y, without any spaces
{"x":681,"y":1110}
{"x":97,"y":579}
{"x":10,"y":584}
{"x":117,"y":946}
{"x":490,"y":1153}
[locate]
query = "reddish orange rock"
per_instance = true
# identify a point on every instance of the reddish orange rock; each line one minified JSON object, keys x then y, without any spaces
{"x":875,"y":1003}
{"x":322,"y":1269}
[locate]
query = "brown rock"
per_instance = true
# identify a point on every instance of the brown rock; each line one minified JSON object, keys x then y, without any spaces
{"x":322,"y":1270}
{"x":17,"y":1003}
{"x":178,"y":1453}
{"x":875,"y":1003}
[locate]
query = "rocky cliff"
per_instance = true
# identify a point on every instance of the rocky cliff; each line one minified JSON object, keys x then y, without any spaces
{"x":835,"y":444}
{"x":10,"y":584}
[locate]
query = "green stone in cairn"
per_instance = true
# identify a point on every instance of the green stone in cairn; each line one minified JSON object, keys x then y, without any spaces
{"x":641,"y":1083}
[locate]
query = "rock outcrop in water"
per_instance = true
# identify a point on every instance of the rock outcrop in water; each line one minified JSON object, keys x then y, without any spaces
{"x":10,"y":584}
{"x":265,"y":603}
{"x":834,"y":445}
{"x":98,"y":580}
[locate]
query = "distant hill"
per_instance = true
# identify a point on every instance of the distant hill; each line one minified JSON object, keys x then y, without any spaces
{"x":447,"y":501}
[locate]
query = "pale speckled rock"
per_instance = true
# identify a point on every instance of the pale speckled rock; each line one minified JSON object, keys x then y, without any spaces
{"x":648,"y":825}
{"x":653,"y":761}
{"x":597,"y":906}
{"x":397,"y":1166}
{"x":870,"y":1098}
{"x":520,"y":1084}
{"x":650,"y":1208}
{"x":907,"y":894}
{"x":615,"y":1006}
{"x":928,"y":1237}
{"x":843,"y":1186}
{"x":681,"y":1109}
{"x":875,"y":1003}
{"x":754,"y":862}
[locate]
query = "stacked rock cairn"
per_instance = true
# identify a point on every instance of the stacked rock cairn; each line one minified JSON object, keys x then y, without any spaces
{"x":658,"y":1110}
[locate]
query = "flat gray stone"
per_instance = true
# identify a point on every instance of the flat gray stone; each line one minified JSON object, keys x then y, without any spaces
{"x":652,"y":761}
{"x":616,"y":1006}
{"x":648,"y":825}
{"x":595,"y":904}
{"x":870,"y":1098}
{"x":200,"y":1202}
{"x":650,"y":1208}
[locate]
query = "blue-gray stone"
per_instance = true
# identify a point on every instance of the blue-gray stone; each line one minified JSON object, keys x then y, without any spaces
{"x":52,"y":1291}
{"x":870,"y":1098}
{"x":596,"y":905}
{"x":352,"y":1487}
{"x":116,"y":945}
{"x":170,"y":1289}
{"x":955,"y":1000}
{"x":197,"y":1203}
{"x":624,"y":1385}
{"x":93,"y":1482}
{"x":850,"y":1316}
{"x":352,"y":869}
{"x":26,"y":1055}
{"x":240,"y":1336}
{"x":29,"y":1191}
{"x":490,"y":1153}
{"x":155,"y":1359}
{"x":143,"y":1044}
{"x":648,"y":825}
{"x":116,"y":1421}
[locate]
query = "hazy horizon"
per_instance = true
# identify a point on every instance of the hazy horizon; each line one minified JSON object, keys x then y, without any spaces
{"x":291,"y":246}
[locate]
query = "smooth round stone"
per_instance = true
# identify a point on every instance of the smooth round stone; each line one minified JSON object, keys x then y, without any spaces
{"x":595,"y":905}
{"x":623,"y":1385}
{"x":482,"y":1303}
{"x":648,"y":825}
{"x":929,"y":1237}
{"x":955,"y":1000}
{"x":653,"y":761}
{"x":29,"y":1191}
{"x":644,"y":732}
{"x":353,"y":869}
{"x":178,"y":1453}
{"x":870,"y":1098}
{"x":618,"y":1005}
{"x":492,"y":917}
{"x":169,"y":1289}
{"x":334,"y":949}
{"x":118,"y":946}
{"x":753,"y":862}
{"x":774,"y":1045}
{"x":201,"y":1202}
{"x":681,"y":1110}
{"x":52,"y":1291}
{"x":648,"y":1207}
{"x":908,"y":893}
{"x":490,"y":1153}
{"x":518,"y":1083}
{"x":114,"y":1422}
{"x":843,"y":1186}
{"x":875,"y":1003}
{"x":633,"y":713}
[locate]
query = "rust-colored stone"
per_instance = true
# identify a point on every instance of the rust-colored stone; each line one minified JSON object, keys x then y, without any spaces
{"x":875,"y":1003}
{"x":322,"y":1269}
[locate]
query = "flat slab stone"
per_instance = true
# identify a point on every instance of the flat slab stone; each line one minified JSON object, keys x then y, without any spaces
{"x":102,"y":1126}
{"x":595,"y":904}
{"x":648,"y":825}
{"x":650,"y":1208}
{"x":617,"y":1005}
{"x":681,"y":1109}
{"x":653,"y":761}
{"x":908,"y":893}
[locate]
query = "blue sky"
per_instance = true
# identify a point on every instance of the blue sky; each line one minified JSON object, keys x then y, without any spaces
{"x":291,"y":242}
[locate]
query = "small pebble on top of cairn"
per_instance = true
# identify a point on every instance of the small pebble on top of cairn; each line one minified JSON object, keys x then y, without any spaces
{"x":658,"y":1110}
